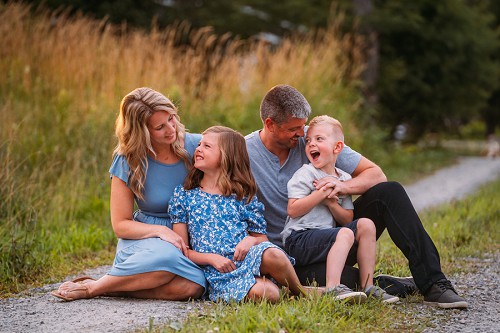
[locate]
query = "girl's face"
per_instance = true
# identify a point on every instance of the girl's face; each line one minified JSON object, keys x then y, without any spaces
{"x":322,"y":147}
{"x":161,"y":126}
{"x":207,"y":156}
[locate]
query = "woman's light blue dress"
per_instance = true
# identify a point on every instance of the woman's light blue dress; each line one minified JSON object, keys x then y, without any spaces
{"x":216,"y":224}
{"x":154,"y":254}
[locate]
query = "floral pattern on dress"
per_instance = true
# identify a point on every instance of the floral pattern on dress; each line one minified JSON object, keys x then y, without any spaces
{"x":217,"y":224}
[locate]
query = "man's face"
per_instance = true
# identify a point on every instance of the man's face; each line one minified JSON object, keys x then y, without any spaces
{"x":287,"y":134}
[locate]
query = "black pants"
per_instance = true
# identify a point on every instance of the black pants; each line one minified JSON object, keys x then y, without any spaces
{"x":389,"y":207}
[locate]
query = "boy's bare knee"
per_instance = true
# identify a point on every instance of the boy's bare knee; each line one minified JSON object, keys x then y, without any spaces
{"x":366,"y":225}
{"x":345,"y":234}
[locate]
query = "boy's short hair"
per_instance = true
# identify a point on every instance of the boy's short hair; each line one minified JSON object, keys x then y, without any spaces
{"x":336,"y":125}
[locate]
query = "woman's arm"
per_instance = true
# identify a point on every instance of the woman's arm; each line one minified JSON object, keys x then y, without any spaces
{"x":122,"y":208}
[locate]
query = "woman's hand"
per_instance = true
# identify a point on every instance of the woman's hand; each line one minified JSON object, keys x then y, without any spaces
{"x":170,"y":236}
{"x":241,"y":250}
{"x":222,"y":264}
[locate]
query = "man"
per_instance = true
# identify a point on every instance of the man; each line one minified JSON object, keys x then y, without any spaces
{"x":278,"y":150}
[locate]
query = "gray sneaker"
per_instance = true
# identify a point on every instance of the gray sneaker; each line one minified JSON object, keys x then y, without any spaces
{"x":343,"y":293}
{"x":395,"y":285}
{"x":443,"y":295}
{"x":379,"y":293}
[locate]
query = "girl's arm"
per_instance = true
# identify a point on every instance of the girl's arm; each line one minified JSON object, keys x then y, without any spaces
{"x":220,"y":263}
{"x":244,"y":246}
{"x":302,"y":206}
{"x":122,"y":208}
{"x":339,"y":213}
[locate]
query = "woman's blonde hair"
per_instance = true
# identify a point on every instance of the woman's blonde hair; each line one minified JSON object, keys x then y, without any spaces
{"x":235,"y":176}
{"x":134,"y":141}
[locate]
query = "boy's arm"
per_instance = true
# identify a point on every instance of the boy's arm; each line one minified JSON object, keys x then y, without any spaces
{"x":302,"y":206}
{"x":339,"y":213}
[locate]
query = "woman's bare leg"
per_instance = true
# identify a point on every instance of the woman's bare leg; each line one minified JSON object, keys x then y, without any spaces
{"x":263,"y":289}
{"x":276,"y":264}
{"x":160,"y":284}
{"x":366,"y":255}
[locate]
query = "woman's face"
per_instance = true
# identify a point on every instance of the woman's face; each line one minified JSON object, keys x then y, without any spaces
{"x":161,"y":126}
{"x":207,"y":155}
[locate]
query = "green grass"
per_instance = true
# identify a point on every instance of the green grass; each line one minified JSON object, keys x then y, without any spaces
{"x":469,"y":227}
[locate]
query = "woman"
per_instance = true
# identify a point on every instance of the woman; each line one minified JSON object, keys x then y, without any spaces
{"x":151,"y":159}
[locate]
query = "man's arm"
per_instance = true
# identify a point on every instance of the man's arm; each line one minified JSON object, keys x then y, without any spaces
{"x":366,"y":175}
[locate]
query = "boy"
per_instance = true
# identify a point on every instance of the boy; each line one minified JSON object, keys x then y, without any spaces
{"x":319,"y":228}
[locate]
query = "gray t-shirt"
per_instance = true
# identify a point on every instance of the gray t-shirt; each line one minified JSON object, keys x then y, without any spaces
{"x":272,"y":178}
{"x":319,"y":217}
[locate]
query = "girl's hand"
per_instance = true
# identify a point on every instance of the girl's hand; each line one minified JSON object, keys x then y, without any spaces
{"x":241,"y":250}
{"x":170,"y":236}
{"x":222,"y":264}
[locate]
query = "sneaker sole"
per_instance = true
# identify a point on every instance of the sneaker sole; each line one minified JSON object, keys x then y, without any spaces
{"x":354,"y":298}
{"x":391,"y":300}
{"x":454,"y":305}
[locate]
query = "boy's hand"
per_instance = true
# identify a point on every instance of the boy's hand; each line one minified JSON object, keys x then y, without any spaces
{"x":222,"y":264}
{"x":336,"y":186}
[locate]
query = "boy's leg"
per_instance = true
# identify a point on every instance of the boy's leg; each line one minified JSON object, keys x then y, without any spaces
{"x":337,"y":256}
{"x":310,"y":249}
{"x":365,"y":237}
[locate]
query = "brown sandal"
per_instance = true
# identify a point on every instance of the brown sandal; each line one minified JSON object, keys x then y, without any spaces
{"x":82,"y":279}
{"x":79,"y":291}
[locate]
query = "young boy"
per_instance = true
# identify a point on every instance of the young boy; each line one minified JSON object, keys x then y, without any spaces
{"x":321,"y":229}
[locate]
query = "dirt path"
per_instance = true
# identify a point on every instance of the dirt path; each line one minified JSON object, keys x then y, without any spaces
{"x":37,"y":311}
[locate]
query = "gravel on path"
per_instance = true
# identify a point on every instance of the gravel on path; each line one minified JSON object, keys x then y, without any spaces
{"x":37,"y":311}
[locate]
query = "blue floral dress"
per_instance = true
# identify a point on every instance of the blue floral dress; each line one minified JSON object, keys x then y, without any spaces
{"x":216,"y":224}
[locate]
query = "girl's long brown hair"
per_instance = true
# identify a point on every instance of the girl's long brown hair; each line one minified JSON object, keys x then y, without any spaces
{"x":236,"y":176}
{"x":132,"y":132}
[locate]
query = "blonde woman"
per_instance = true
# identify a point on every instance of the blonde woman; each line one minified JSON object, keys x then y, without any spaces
{"x":150,"y":160}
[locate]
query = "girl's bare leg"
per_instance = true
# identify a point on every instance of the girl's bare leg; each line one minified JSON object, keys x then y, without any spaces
{"x":337,"y":256}
{"x":276,"y":264}
{"x":263,"y":289}
{"x":366,"y":254}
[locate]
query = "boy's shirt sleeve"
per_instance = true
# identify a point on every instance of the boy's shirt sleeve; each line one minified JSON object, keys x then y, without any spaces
{"x":301,"y":183}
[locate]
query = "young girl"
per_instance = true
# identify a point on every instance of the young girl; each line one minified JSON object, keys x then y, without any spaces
{"x":218,"y":207}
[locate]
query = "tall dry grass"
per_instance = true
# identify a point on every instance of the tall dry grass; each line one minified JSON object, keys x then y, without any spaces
{"x":62,"y":79}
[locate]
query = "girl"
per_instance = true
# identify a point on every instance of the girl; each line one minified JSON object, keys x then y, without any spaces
{"x":218,"y":208}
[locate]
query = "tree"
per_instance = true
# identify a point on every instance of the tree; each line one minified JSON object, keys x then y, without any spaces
{"x":436,"y":62}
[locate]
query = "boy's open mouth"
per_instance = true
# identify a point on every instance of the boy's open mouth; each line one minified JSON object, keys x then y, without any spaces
{"x":315,"y":155}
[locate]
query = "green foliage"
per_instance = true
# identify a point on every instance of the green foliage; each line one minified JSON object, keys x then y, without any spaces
{"x":465,"y":228}
{"x":436,"y":66}
{"x":305,"y":314}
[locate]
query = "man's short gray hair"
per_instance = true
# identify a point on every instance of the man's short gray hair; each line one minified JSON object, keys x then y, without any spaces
{"x":282,"y":102}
